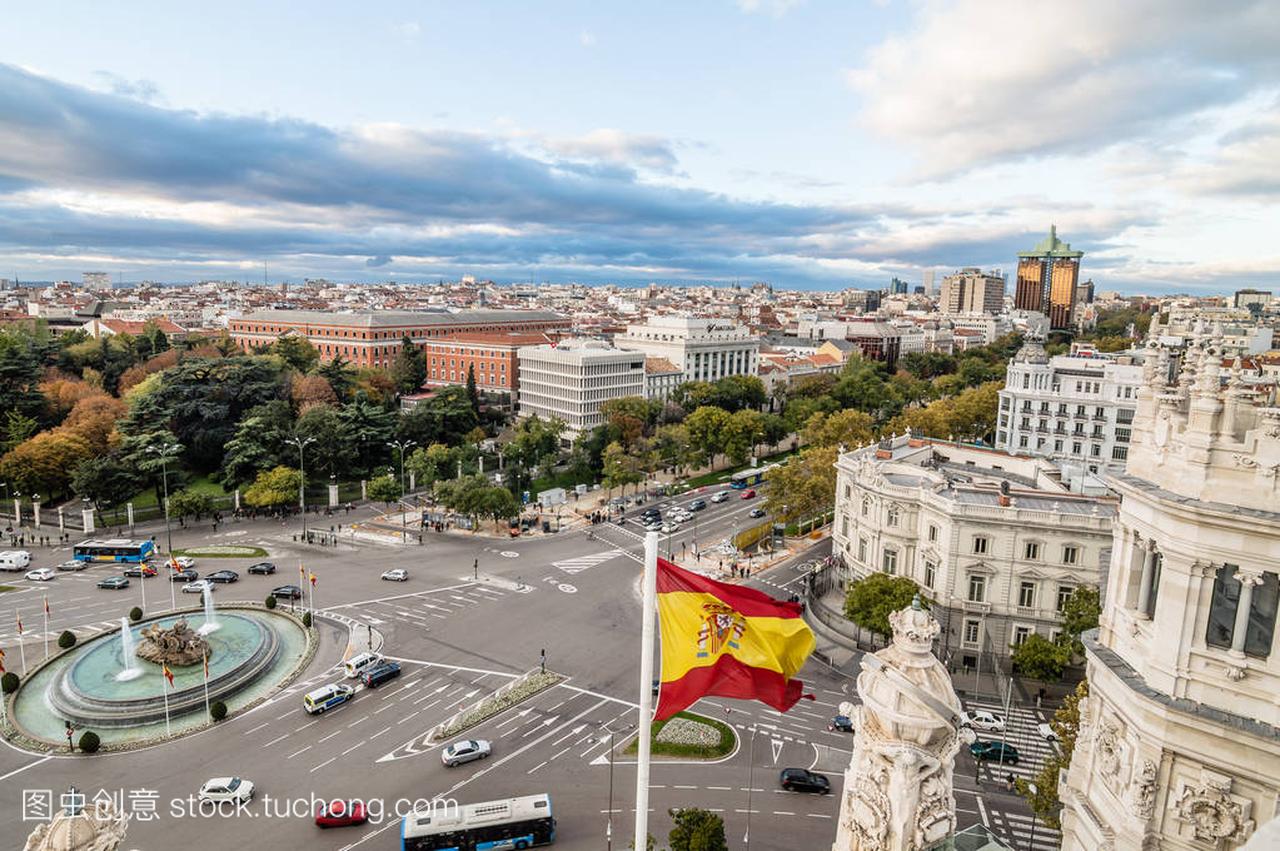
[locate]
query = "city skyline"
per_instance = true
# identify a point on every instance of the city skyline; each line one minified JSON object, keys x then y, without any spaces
{"x":810,"y":145}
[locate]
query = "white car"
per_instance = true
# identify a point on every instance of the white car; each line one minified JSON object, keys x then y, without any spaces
{"x":668,"y":528}
{"x":226,"y":789}
{"x":982,"y":720}
{"x":398,"y":574}
{"x":1046,"y":732}
{"x":197,"y":587}
{"x":185,"y":562}
{"x":655,"y":526}
{"x":719,"y":496}
{"x":41,"y":574}
{"x":465,"y":751}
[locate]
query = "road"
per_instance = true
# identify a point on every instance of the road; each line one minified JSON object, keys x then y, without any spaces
{"x":459,"y":633}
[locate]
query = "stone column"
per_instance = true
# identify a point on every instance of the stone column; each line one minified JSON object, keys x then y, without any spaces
{"x":333,"y":496}
{"x":62,"y":520}
{"x":413,"y":481}
{"x":17,"y":512}
{"x":1248,"y":581}
{"x":1144,"y":584}
{"x":235,"y":498}
{"x":128,"y":511}
{"x":35,"y":511}
{"x":87,"y":516}
{"x":364,"y":489}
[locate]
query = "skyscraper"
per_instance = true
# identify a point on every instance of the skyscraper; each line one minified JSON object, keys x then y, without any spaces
{"x":972,"y":291}
{"x":1047,"y":276}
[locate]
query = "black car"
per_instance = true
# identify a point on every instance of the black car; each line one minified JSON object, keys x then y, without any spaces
{"x":842,"y":724}
{"x":801,"y":780}
{"x":698,"y":505}
{"x":114,"y":583}
{"x":379,"y":674}
{"x":287,"y":592}
{"x":184,"y":576}
{"x":223,"y":576}
{"x":756,"y":512}
{"x":263,"y":567}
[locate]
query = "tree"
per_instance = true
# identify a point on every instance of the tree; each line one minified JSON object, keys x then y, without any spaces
{"x":620,"y":467}
{"x":106,"y":481}
{"x":217,"y":710}
{"x":44,"y":464}
{"x":409,"y":369}
{"x":312,"y":390}
{"x":9,"y":682}
{"x":135,"y":614}
{"x":17,"y":428}
{"x":843,"y":428}
{"x":740,"y":434}
{"x":20,"y":375}
{"x":369,"y":427}
{"x":871,"y":600}
{"x":89,"y":742}
{"x":864,"y":385}
{"x":339,"y":375}
{"x":500,"y":505}
{"x":671,"y":444}
{"x":330,"y":453}
{"x":189,"y":503}
{"x":1039,"y":658}
{"x":804,"y":486}
{"x":737,"y":393}
{"x":447,"y":417}
{"x":67,"y":639}
{"x":273,"y":488}
{"x":628,"y":418}
{"x":1066,"y":726}
{"x":430,"y":464}
{"x":472,"y":393}
{"x":149,"y":455}
{"x":706,"y":427}
{"x":259,"y":443}
{"x":1080,"y":614}
{"x":696,"y":830}
{"x":94,"y":418}
{"x":296,"y":352}
{"x":384,"y":489}
{"x":926,"y":365}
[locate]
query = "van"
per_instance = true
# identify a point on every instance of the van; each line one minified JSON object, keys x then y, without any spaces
{"x":379,"y":674}
{"x":358,"y":663}
{"x":15,"y":560}
{"x":327,"y":697}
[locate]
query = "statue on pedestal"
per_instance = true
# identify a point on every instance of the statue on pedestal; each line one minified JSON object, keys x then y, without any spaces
{"x":898,"y":793}
{"x":178,"y":645}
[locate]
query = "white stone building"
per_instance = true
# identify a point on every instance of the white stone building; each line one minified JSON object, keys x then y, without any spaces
{"x":1179,"y":745}
{"x":570,"y":380}
{"x":705,"y":349}
{"x":972,"y":291}
{"x":999,"y":564}
{"x":1075,"y":408}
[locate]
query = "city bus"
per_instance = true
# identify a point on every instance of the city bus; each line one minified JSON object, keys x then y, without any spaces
{"x":744,"y":479}
{"x":115,"y":549}
{"x":489,"y":826}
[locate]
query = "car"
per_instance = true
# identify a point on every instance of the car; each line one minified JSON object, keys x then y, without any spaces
{"x":264,"y":568}
{"x":341,"y":814}
{"x":698,"y":505}
{"x":379,"y":674}
{"x":668,"y":528}
{"x":41,"y":574}
{"x":803,"y":780}
{"x":287,"y":592}
{"x":982,"y":720}
{"x":756,"y":512}
{"x":994,"y":751}
{"x":653,"y":527}
{"x":184,"y":576}
{"x":226,"y":789}
{"x":139,"y":570}
{"x":198,"y":587}
{"x":657,"y":686}
{"x":841,"y":724}
{"x":184,"y":562}
{"x":325,"y":698}
{"x":465,"y":751}
{"x":397,"y":574}
{"x":223,"y":576}
{"x":719,"y":496}
{"x":1046,"y":732}
{"x":15,"y":560}
{"x":114,"y":583}
{"x":73,"y":564}
{"x":749,"y":494}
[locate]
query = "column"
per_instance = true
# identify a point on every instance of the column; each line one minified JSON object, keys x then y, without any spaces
{"x":333,"y":496}
{"x":413,"y":477}
{"x":364,"y":485}
{"x":1144,"y":584}
{"x":236,"y":498}
{"x":35,"y":510}
{"x":17,"y":512}
{"x":1248,"y":581}
{"x":62,"y":521}
{"x":128,"y":511}
{"x":87,"y":517}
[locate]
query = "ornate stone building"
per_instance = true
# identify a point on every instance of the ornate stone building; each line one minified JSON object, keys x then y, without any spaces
{"x":1179,"y":746}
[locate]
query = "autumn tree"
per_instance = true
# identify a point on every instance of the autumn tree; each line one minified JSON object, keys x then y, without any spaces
{"x":94,"y":418}
{"x":45,"y":463}
{"x":842,"y":428}
{"x":804,"y":486}
{"x":312,"y":390}
{"x":274,"y":488}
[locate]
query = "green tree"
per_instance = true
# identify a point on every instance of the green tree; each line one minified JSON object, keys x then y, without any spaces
{"x":259,"y":443}
{"x":189,"y":503}
{"x":384,"y":489}
{"x":671,"y":443}
{"x":804,"y":486}
{"x":447,"y":417}
{"x":1039,"y":658}
{"x":1080,"y":614}
{"x":742,"y":431}
{"x":926,"y":365}
{"x":499,"y":505}
{"x":146,"y":454}
{"x":1066,"y":726}
{"x":369,"y":427}
{"x":331,"y":450}
{"x":843,"y":428}
{"x":628,"y":418}
{"x":736,"y":393}
{"x":340,"y":376}
{"x":621,"y":468}
{"x":871,"y":600}
{"x":409,"y":369}
{"x":20,"y":375}
{"x":706,"y":427}
{"x":696,"y":830}
{"x":473,"y":395}
{"x":106,"y":481}
{"x":17,"y":428}
{"x":296,"y":352}
{"x":864,"y":386}
{"x":273,"y":488}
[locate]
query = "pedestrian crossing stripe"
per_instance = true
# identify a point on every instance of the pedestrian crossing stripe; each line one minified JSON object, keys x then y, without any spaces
{"x":581,"y":563}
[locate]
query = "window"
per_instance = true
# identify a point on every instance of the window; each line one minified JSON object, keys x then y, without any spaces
{"x":1095,"y":450}
{"x":1022,"y":442}
{"x":862,"y":549}
{"x":1075,"y":447}
{"x":977,"y":588}
{"x":1027,"y":595}
{"x":930,"y":573}
{"x":890,"y":562}
{"x":1123,"y":435}
{"x":1119,"y":453}
{"x":1070,"y":554}
{"x":1031,"y":552}
{"x":933,"y":532}
{"x":866,"y":506}
{"x":1020,"y":634}
{"x":848,"y":491}
{"x":844,"y":526}
{"x":971,"y":628}
{"x":1064,"y":594}
{"x":979,"y":545}
{"x":892,"y":516}
{"x":1264,"y":596}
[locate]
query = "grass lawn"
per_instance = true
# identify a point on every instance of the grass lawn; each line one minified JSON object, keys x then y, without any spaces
{"x":4,"y":588}
{"x":222,"y":551}
{"x":720,"y":476}
{"x":146,"y":498}
{"x":683,"y":751}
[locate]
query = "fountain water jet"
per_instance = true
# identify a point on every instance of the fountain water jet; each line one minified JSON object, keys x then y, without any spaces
{"x":131,"y":670}
{"x":210,"y":625}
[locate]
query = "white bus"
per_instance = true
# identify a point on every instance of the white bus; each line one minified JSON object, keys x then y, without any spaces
{"x":489,"y":826}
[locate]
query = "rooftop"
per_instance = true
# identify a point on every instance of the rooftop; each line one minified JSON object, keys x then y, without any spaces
{"x":397,"y":318}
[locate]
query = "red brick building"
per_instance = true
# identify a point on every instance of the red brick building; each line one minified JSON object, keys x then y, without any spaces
{"x":493,"y":356}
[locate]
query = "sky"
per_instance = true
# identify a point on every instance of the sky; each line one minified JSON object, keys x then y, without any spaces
{"x":807,"y":143}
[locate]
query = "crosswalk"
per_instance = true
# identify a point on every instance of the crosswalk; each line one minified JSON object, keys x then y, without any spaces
{"x":1023,"y":831}
{"x":581,"y":563}
{"x":1020,"y":731}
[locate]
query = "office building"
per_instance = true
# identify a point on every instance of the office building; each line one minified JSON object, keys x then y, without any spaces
{"x":97,"y":280}
{"x":1047,"y":277}
{"x":494,"y":359}
{"x":570,"y":380}
{"x":972,"y":291}
{"x":1255,"y":301}
{"x":703,"y":349}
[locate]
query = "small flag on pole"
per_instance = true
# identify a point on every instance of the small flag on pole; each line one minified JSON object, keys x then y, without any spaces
{"x":46,"y":607}
{"x":206,"y":665}
{"x":1,"y":661}
{"x":168,"y":675}
{"x":19,"y":624}
{"x":313,"y":580}
{"x":302,"y":571}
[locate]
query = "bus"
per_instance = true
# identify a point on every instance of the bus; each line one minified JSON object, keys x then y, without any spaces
{"x":489,"y":826}
{"x":115,"y":549}
{"x":744,"y":479}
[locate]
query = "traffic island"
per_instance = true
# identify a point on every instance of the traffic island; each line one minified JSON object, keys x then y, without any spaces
{"x":688,"y":736}
{"x":515,"y":692}
{"x":222,"y":551}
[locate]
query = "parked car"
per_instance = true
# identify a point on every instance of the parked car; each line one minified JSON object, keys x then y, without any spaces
{"x":15,"y":560}
{"x":360,"y":663}
{"x":226,"y":789}
{"x":719,"y":496}
{"x":198,"y":587}
{"x":668,"y":528}
{"x":184,"y":576}
{"x":41,"y":574}
{"x":465,"y":751}
{"x":379,"y":674}
{"x":398,"y":574}
{"x":223,"y":576}
{"x":114,"y":583}
{"x":287,"y":592}
{"x":326,"y":697}
{"x":842,"y":724}
{"x":73,"y":564}
{"x":756,"y":512}
{"x":1046,"y":732}
{"x":264,"y":568}
{"x":655,"y":526}
{"x":803,"y":780}
{"x":141,"y":571}
{"x":184,"y":562}
{"x":982,"y":720}
{"x":341,"y":814}
{"x":698,"y":505}
{"x":749,"y":494}
{"x":994,"y":751}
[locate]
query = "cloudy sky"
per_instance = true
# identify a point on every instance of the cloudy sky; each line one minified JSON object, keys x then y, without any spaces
{"x":810,"y":143}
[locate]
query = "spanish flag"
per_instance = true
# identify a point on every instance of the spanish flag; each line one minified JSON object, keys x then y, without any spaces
{"x":728,"y":641}
{"x":168,"y":675}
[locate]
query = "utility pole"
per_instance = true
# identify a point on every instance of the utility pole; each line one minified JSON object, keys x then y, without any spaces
{"x":164,"y":451}
{"x":302,"y":478}
{"x":401,"y":446}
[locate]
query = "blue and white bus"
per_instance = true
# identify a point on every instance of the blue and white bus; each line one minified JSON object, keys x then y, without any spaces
{"x":115,"y":549}
{"x":489,"y":826}
{"x":744,"y":479}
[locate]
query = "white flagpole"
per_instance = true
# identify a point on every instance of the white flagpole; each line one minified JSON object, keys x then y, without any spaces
{"x":46,"y":627}
{"x":173,"y":598}
{"x":22,"y":643}
{"x":206,"y":683}
{"x":142,"y":583}
{"x":649,"y":613}
{"x":164,"y":687}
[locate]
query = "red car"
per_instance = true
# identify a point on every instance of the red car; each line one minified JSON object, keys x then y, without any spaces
{"x":751,"y":494}
{"x":341,"y":814}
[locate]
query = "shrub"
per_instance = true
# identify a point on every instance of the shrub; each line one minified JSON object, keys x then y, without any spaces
{"x":9,"y":682}
{"x":271,"y":601}
{"x":135,"y":614}
{"x":89,"y":741}
{"x":218,"y":710}
{"x":306,"y":619}
{"x":67,"y":640}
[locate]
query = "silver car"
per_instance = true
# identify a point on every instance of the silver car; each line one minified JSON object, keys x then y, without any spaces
{"x":465,"y":751}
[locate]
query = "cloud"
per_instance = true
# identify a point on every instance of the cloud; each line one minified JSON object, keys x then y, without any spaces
{"x":613,"y":146}
{"x":776,"y":8}
{"x":376,"y":262}
{"x":587,"y":38}
{"x":977,"y":82}
{"x":140,"y":89}
{"x":1246,"y":164}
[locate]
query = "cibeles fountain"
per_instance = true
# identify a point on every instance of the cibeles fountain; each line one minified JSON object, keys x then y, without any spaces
{"x":114,"y":683}
{"x":898,"y":793}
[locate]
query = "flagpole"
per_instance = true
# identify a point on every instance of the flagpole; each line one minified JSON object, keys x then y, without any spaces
{"x":173,"y":599}
{"x":142,"y":583}
{"x":206,"y":684}
{"x":648,"y":613}
{"x":22,"y":643}
{"x":164,"y":688}
{"x":46,"y":627}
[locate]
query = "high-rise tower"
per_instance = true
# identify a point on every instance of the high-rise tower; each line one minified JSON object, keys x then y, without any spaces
{"x":1047,"y":276}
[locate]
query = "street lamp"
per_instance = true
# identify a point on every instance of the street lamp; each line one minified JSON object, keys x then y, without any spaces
{"x":1031,"y":787}
{"x":302,"y":443}
{"x":164,"y":451}
{"x":401,"y":446}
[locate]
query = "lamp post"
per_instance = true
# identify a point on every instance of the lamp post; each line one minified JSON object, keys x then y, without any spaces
{"x":302,"y":478}
{"x":401,"y":446}
{"x":164,"y":451}
{"x":1031,"y":843}
{"x":5,"y":485}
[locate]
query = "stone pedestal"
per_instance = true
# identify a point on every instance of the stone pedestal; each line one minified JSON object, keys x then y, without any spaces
{"x":333,"y":496}
{"x":128,"y":510}
{"x":35,"y":513}
{"x":413,"y":481}
{"x":62,"y":520}
{"x":364,"y":489}
{"x":87,"y":516}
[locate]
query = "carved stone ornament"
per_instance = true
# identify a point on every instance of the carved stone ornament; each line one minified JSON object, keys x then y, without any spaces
{"x":1212,"y":814}
{"x":1107,"y":748}
{"x":1144,"y":790}
{"x":870,"y":810}
{"x":176,"y":645}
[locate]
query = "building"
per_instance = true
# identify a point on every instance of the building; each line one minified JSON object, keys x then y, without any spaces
{"x":1255,"y":301}
{"x":493,"y":358}
{"x":1047,"y":277}
{"x":878,"y":341}
{"x":372,"y":338}
{"x":1179,"y":742}
{"x":570,"y":380}
{"x":972,"y":291}
{"x":97,"y":280}
{"x":897,"y":286}
{"x":704,"y":349}
{"x":1076,"y":408}
{"x":999,"y":543}
{"x":661,"y":378}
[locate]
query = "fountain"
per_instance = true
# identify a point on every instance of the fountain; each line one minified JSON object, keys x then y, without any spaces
{"x":210,"y":625}
{"x":131,"y":670}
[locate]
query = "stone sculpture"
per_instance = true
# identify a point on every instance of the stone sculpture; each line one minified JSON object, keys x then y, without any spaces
{"x":178,"y":645}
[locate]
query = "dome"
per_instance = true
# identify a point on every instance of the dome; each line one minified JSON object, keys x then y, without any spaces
{"x":79,"y":829}
{"x":1032,"y":351}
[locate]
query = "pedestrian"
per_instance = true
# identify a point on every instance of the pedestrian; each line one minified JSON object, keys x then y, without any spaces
{"x":1009,"y":781}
